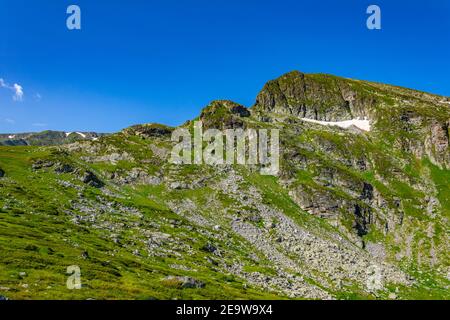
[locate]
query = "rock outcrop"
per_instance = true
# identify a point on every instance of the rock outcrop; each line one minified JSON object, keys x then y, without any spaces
{"x":224,"y":114}
{"x":149,"y":130}
{"x":318,"y":97}
{"x":91,"y":179}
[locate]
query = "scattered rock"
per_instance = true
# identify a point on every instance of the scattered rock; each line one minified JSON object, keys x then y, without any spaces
{"x":392,"y":296}
{"x":64,"y":168}
{"x":112,"y":158}
{"x":184,"y":282}
{"x":209,"y":248}
{"x":40,"y":164}
{"x":91,"y":179}
{"x":136,"y":176}
{"x":178,"y":185}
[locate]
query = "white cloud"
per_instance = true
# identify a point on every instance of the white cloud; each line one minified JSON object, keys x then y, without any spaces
{"x":16,"y":88}
{"x":37,"y":97}
{"x":10,"y":121}
{"x":18,"y":92}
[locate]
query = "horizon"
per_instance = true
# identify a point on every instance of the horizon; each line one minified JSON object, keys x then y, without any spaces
{"x":140,"y":62}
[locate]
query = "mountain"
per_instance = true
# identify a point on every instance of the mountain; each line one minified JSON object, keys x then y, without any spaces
{"x":359,"y":209}
{"x":46,"y":138}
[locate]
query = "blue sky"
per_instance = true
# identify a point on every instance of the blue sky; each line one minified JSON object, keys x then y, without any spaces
{"x":140,"y":61}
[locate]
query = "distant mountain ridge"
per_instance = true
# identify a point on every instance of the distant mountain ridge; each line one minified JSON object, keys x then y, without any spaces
{"x":46,"y":138}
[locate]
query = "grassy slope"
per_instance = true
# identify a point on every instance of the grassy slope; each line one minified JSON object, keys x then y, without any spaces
{"x":36,"y":237}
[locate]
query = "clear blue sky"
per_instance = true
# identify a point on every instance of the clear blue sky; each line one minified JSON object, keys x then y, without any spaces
{"x":140,"y":61}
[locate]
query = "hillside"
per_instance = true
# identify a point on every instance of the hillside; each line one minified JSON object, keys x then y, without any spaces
{"x":358,"y":210}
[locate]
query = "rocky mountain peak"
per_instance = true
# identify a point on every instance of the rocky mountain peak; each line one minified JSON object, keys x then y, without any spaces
{"x":224,"y":114}
{"x":315,"y":96}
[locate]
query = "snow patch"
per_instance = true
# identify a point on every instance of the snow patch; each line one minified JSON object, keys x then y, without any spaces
{"x":78,"y":133}
{"x":361,"y":124}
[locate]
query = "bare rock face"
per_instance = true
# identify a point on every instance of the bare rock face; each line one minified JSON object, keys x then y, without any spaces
{"x":424,"y":137}
{"x":313,"y":96}
{"x":439,"y":140}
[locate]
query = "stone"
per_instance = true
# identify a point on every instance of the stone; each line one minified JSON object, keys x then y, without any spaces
{"x":91,"y":179}
{"x":392,"y":296}
{"x":64,"y":168}
{"x":178,"y":185}
{"x":39,"y":164}
{"x":186,"y":282}
{"x":209,"y":248}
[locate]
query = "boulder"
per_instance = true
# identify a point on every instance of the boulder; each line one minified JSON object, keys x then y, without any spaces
{"x":209,"y":248}
{"x":91,"y":179}
{"x":185,"y":282}
{"x":64,"y":168}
